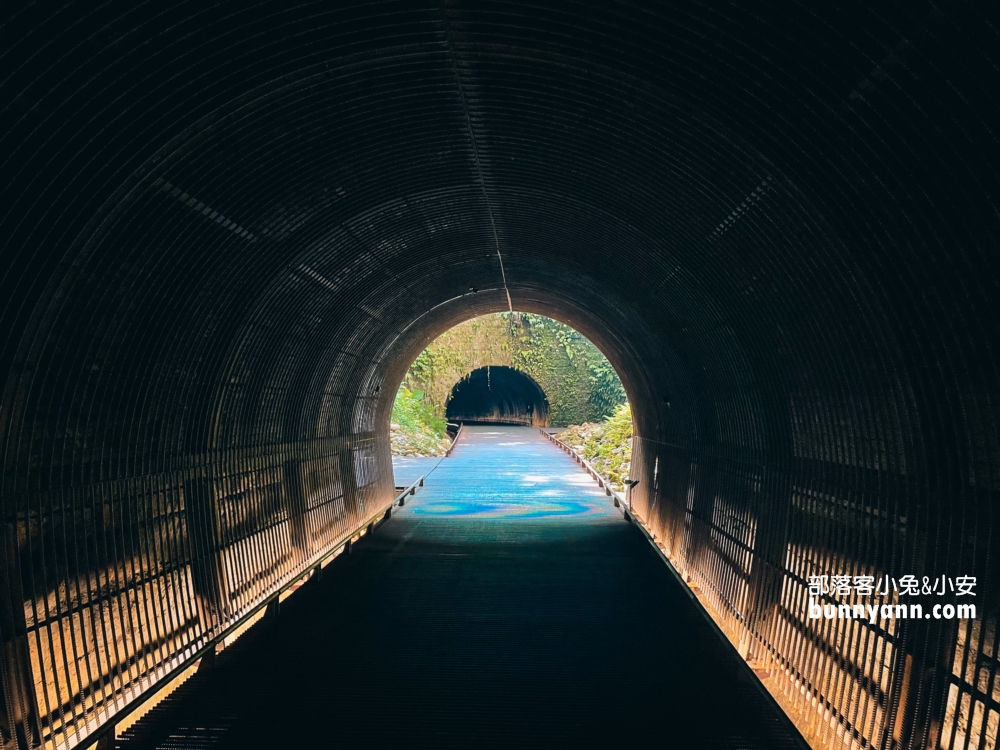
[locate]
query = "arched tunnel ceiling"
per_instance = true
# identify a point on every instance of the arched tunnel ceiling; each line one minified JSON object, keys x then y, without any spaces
{"x":780,"y":210}
{"x":228,"y":229}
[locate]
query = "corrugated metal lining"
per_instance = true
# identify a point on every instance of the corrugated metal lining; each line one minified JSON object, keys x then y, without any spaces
{"x":778,"y":223}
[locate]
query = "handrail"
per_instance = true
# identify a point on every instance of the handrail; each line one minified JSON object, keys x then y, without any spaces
{"x":107,"y":729}
{"x":411,"y":490}
{"x":693,"y":595}
{"x":602,"y":481}
{"x":461,"y":426}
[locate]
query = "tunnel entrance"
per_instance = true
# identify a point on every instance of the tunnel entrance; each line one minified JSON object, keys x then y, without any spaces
{"x":498,"y":395}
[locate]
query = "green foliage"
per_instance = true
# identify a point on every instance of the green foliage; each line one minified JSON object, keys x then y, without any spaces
{"x":580,"y":384}
{"x":607,"y":445}
{"x":417,"y":428}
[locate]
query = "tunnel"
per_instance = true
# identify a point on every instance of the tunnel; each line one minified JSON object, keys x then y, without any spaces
{"x":498,"y":394}
{"x":228,"y":230}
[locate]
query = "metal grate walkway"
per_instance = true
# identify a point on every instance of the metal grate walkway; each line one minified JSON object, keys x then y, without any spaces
{"x":507,"y":604}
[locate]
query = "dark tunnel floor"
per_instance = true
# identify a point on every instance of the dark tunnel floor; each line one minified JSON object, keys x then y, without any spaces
{"x":548,"y":626}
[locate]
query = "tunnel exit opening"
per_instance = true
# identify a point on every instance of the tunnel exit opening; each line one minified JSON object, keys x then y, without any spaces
{"x":498,"y":395}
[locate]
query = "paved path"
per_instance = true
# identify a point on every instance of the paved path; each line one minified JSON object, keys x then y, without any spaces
{"x":409,"y":469}
{"x":507,"y":605}
{"x":510,"y":473}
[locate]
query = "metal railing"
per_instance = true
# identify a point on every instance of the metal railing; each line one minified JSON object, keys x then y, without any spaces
{"x":104,"y":735}
{"x":692,"y":592}
{"x":601,"y":481}
{"x":461,"y":426}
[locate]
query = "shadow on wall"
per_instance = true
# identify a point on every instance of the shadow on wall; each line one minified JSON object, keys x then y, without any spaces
{"x":500,"y":395}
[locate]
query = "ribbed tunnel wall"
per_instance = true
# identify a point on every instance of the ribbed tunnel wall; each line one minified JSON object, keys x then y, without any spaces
{"x":227,"y":230}
{"x":498,"y":394}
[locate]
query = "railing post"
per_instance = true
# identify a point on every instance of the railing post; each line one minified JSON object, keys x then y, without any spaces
{"x":294,"y":498}
{"x":203,"y":533}
{"x":18,"y":711}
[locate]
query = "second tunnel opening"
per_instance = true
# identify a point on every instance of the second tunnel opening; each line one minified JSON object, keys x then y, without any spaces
{"x":498,"y":395}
